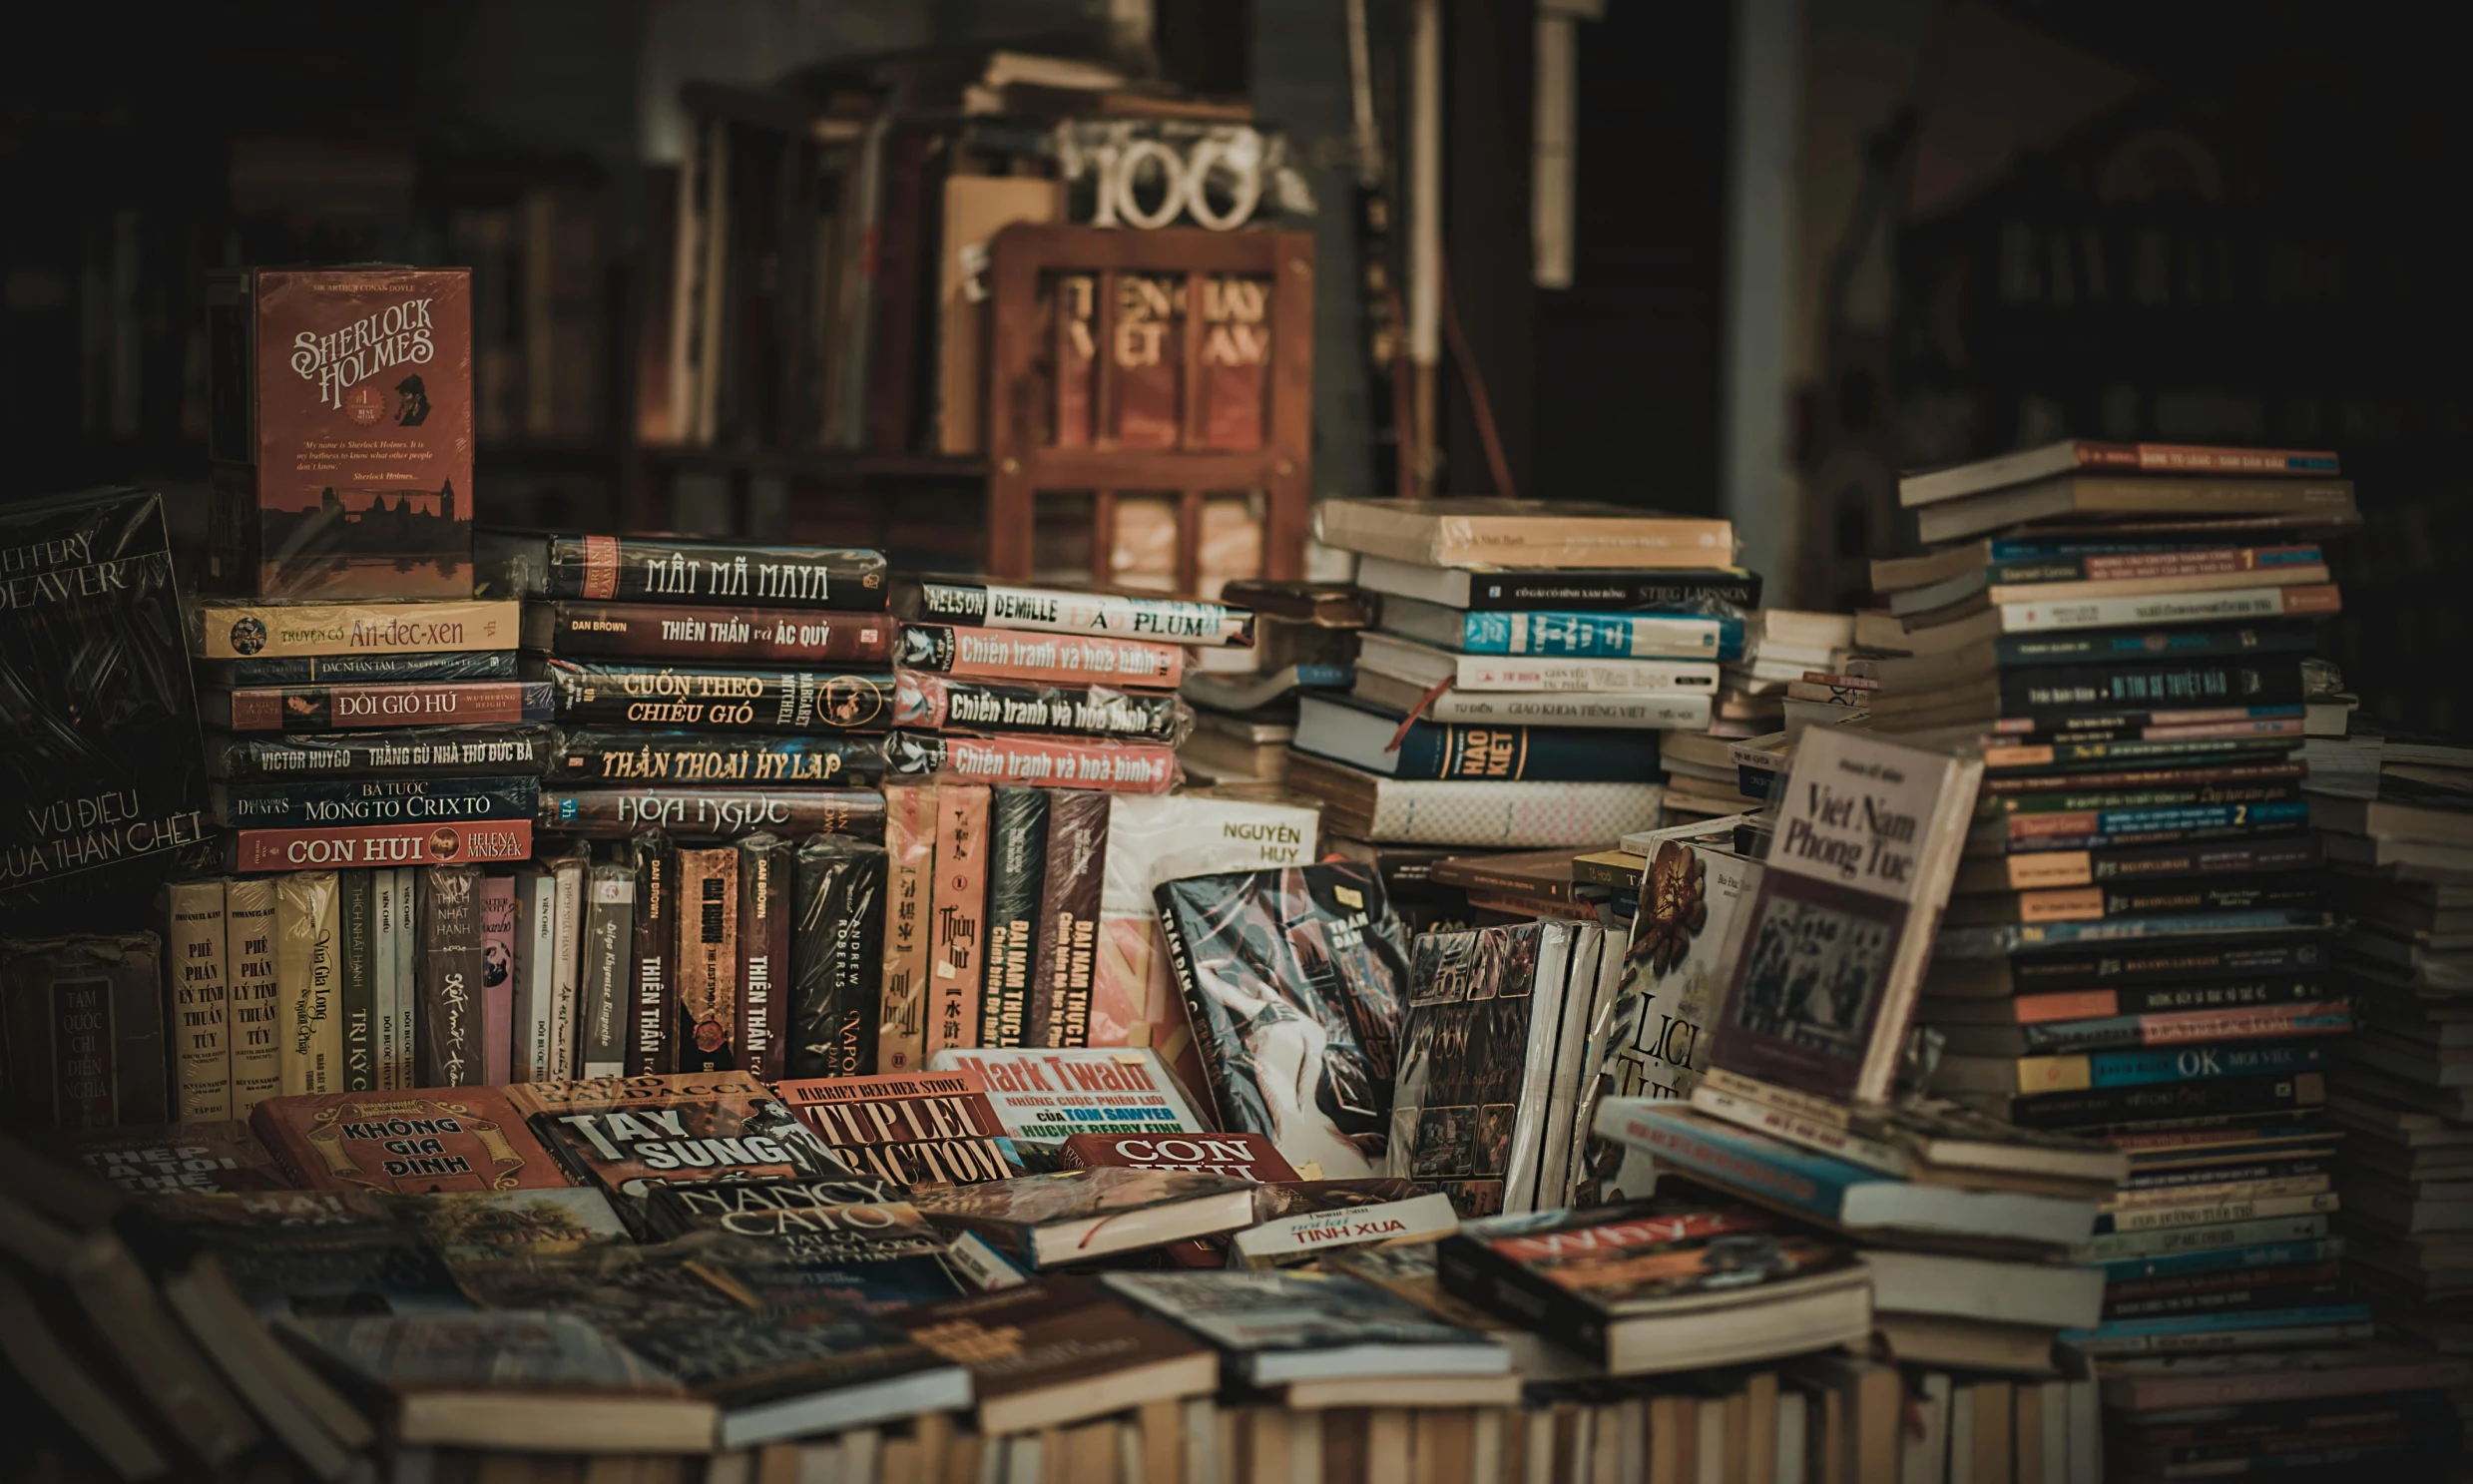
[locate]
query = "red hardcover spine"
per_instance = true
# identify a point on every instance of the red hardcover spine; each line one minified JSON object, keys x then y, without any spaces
{"x":412,"y":703}
{"x":1022,"y":655}
{"x":463,"y":841}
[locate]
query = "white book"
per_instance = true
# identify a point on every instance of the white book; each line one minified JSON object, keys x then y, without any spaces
{"x":383,"y":926}
{"x":567,"y":964}
{"x":1589,"y":946}
{"x":1410,"y":661}
{"x":1596,"y":1034}
{"x":536,"y":956}
{"x":407,"y":999}
{"x":1642,"y":711}
{"x":1924,"y":1458}
{"x":1527,"y":1128}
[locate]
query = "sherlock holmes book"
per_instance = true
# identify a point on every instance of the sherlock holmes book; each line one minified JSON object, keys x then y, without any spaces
{"x":97,"y":724}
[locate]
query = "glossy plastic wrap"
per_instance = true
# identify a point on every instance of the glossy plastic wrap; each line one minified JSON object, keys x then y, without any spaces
{"x":936,"y":702}
{"x":1045,"y":763}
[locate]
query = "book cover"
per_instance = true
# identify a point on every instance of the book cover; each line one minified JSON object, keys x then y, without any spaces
{"x":1057,"y":658}
{"x":603,"y":1000}
{"x":319,"y":669}
{"x":650,"y":1047}
{"x":353,"y":845}
{"x":497,"y":979}
{"x":358,"y":708}
{"x":673,"y":1210}
{"x":1047,"y":1095}
{"x":933,"y":702}
{"x":1060,"y":611}
{"x":453,"y":955}
{"x":339,"y":433}
{"x":718,"y":813}
{"x":861,"y":1256}
{"x":176,"y":1158}
{"x":1016,"y":876}
{"x":358,"y":980}
{"x":100,"y":758}
{"x":635,"y":568}
{"x":1135,"y":768}
{"x":767,"y":1373}
{"x":1134,"y":996}
{"x":957,"y":962}
{"x":1386,"y":743}
{"x":1245,"y":1155}
{"x":1299,"y":1220}
{"x":1009,"y":1214}
{"x":189,"y":919}
{"x":728,"y":633}
{"x":227,"y":630}
{"x":627,"y":693}
{"x":255,"y":994}
{"x":419,"y":1140}
{"x":1842,"y":924}
{"x":443,"y":751}
{"x":1059,"y":1013}
{"x":920,"y":1128}
{"x":903,"y":1008}
{"x":1294,"y":980}
{"x":84,"y":1030}
{"x":835,"y":918}
{"x":591,"y":755}
{"x":1468,"y":1101}
{"x":767,"y":988}
{"x":1266,"y":1322}
{"x":707,"y":962}
{"x":1055,"y":1337}
{"x":528,"y":1359}
{"x":313,"y":1041}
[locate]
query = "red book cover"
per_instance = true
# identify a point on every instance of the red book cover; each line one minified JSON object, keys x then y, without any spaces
{"x":360,"y":708}
{"x":911,"y":820}
{"x":497,"y":978}
{"x":1022,"y":655}
{"x":1245,"y":1155}
{"x":448,"y":843}
{"x":1147,"y":353}
{"x":924,"y":1129}
{"x":1235,"y":362}
{"x":408,"y":1143}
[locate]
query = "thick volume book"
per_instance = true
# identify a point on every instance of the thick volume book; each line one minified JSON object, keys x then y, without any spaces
{"x":1060,"y":611}
{"x":836,"y":955}
{"x":710,"y":813}
{"x":1477,"y":532}
{"x":344,"y":801}
{"x":443,"y":752}
{"x":648,"y":569}
{"x":594,"y":755}
{"x":1577,"y":634}
{"x":221,"y":628}
{"x":1396,"y":746}
{"x":1491,"y":815}
{"x":1869,"y":836}
{"x":932,"y":703}
{"x":1045,"y":763}
{"x":644,"y":693}
{"x":1057,"y":658}
{"x":1427,"y":665}
{"x":1300,"y":967}
{"x":726,"y":633}
{"x":351,"y":707}
{"x":312,"y":670}
{"x":1581,"y":590}
{"x":431,"y":842}
{"x":919,"y":1129}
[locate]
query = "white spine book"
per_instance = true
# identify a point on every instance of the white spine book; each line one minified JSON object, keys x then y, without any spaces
{"x":407,"y":1000}
{"x":567,"y":964}
{"x":536,"y":955}
{"x":384,"y":924}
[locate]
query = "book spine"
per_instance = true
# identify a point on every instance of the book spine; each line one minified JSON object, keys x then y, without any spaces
{"x":83,"y":1024}
{"x":609,"y":938}
{"x":535,"y":910}
{"x":2172,"y":608}
{"x":994,"y":606}
{"x":1510,"y":709}
{"x":305,"y":913}
{"x":497,"y":665}
{"x":1489,"y":673}
{"x":2242,"y":1001}
{"x":358,"y":708}
{"x":910,"y":862}
{"x":1784,"y":1123}
{"x":2306,"y":1019}
{"x":2014,"y":650}
{"x":1119,"y":767}
{"x":407,"y":976}
{"x":498,"y":933}
{"x":2260,"y":1183}
{"x":2217,"y":1213}
{"x":837,"y":953}
{"x":1059,"y":1013}
{"x":2212,"y":1098}
{"x":251,"y":933}
{"x":2234,"y":1261}
{"x":1521,"y":816}
{"x":2166,"y":965}
{"x":2083,"y":903}
{"x":595,"y":755}
{"x":1537,"y":754}
{"x":1996,"y":942}
{"x":701,"y":697}
{"x":448,"y":912}
{"x":1600,"y":591}
{"x":2140,"y":1068}
{"x":720,"y":632}
{"x":706,"y":961}
{"x":356,"y":970}
{"x":957,"y":959}
{"x":567,"y":962}
{"x":650,"y":1047}
{"x":1016,"y":874}
{"x":2034,"y":869}
{"x":189,"y":918}
{"x":2170,"y":687}
{"x":327,"y":804}
{"x":932,"y":703}
{"x":2099,"y":824}
{"x":1602,"y":636}
{"x":765,"y":868}
{"x":610,"y":567}
{"x":284,"y":631}
{"x":445,"y":752}
{"x":2122,"y":1246}
{"x":1059,"y":659}
{"x":1215,"y":1029}
{"x":377,"y":845}
{"x":711,"y":813}
{"x":2157,"y":751}
{"x":2012,"y":562}
{"x":385,"y":920}
{"x":1742,"y":1164}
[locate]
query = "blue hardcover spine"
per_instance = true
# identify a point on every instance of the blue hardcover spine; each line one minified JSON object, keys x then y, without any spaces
{"x":1594,"y":635}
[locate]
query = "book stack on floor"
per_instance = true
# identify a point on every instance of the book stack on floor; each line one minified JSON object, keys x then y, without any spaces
{"x":1781,"y":647}
{"x":1245,"y":700}
{"x":2395,"y":813}
{"x":2136,"y":948}
{"x":1511,"y":693}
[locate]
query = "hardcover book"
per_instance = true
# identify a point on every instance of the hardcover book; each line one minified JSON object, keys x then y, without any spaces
{"x":1276,"y":1328}
{"x":1077,"y":1216}
{"x":920,"y":1128}
{"x":1294,"y":980}
{"x":1843,"y":921}
{"x":444,"y":751}
{"x":1059,"y":1013}
{"x":339,"y":433}
{"x":909,"y":922}
{"x":99,"y":754}
{"x":836,"y":958}
{"x":1060,"y":611}
{"x":727,"y":633}
{"x":84,"y":1030}
{"x":1017,"y":867}
{"x":649,"y":569}
{"x":424,"y":1140}
{"x":933,"y":702}
{"x":716,"y":813}
{"x":1055,"y":659}
{"x":1059,"y":1350}
{"x":606,"y":756}
{"x":1381,"y":742}
{"x":1134,"y":768}
{"x":627,"y":693}
{"x":1046,"y":1096}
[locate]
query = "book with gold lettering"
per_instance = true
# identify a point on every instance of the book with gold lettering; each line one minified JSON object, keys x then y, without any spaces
{"x":410,"y":1142}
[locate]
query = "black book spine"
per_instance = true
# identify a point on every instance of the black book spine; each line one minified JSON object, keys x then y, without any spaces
{"x":349,"y":669}
{"x":317,"y":804}
{"x":650,"y":1047}
{"x":1060,"y":1003}
{"x":2039,"y":973}
{"x":766,"y":865}
{"x":2218,"y":1098}
{"x":439,"y":752}
{"x":1611,"y":592}
{"x":2200,"y":685}
{"x":2130,"y":646}
{"x":1465,"y":1269}
{"x":593,"y":754}
{"x":449,"y":978}
{"x":2255,"y":1296}
{"x":2134,"y":901}
{"x":1018,"y":824}
{"x":607,"y":567}
{"x":631,"y":694}
{"x":713,"y":633}
{"x":354,"y":900}
{"x":836,"y":955}
{"x":2296,"y":853}
{"x":936,"y":702}
{"x":710,"y":813}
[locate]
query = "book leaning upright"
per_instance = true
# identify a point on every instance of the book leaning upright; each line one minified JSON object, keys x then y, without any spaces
{"x":1869,"y":836}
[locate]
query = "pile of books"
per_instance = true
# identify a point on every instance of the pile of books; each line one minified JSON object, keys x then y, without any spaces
{"x":2395,"y":813}
{"x":1245,"y":700}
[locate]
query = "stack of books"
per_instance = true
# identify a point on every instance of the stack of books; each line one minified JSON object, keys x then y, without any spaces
{"x":2327,"y":1414}
{"x":2395,"y":813}
{"x":1511,"y":693}
{"x":2137,"y":946}
{"x":1782,"y":646}
{"x":1245,"y":700}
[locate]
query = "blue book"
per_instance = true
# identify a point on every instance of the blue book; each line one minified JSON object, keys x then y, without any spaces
{"x":1580,"y":635}
{"x":2225,"y":1260}
{"x":2222,"y":1323}
{"x":2009,"y":938}
{"x":2276,"y":816}
{"x":2147,"y":1064}
{"x":1343,"y":729}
